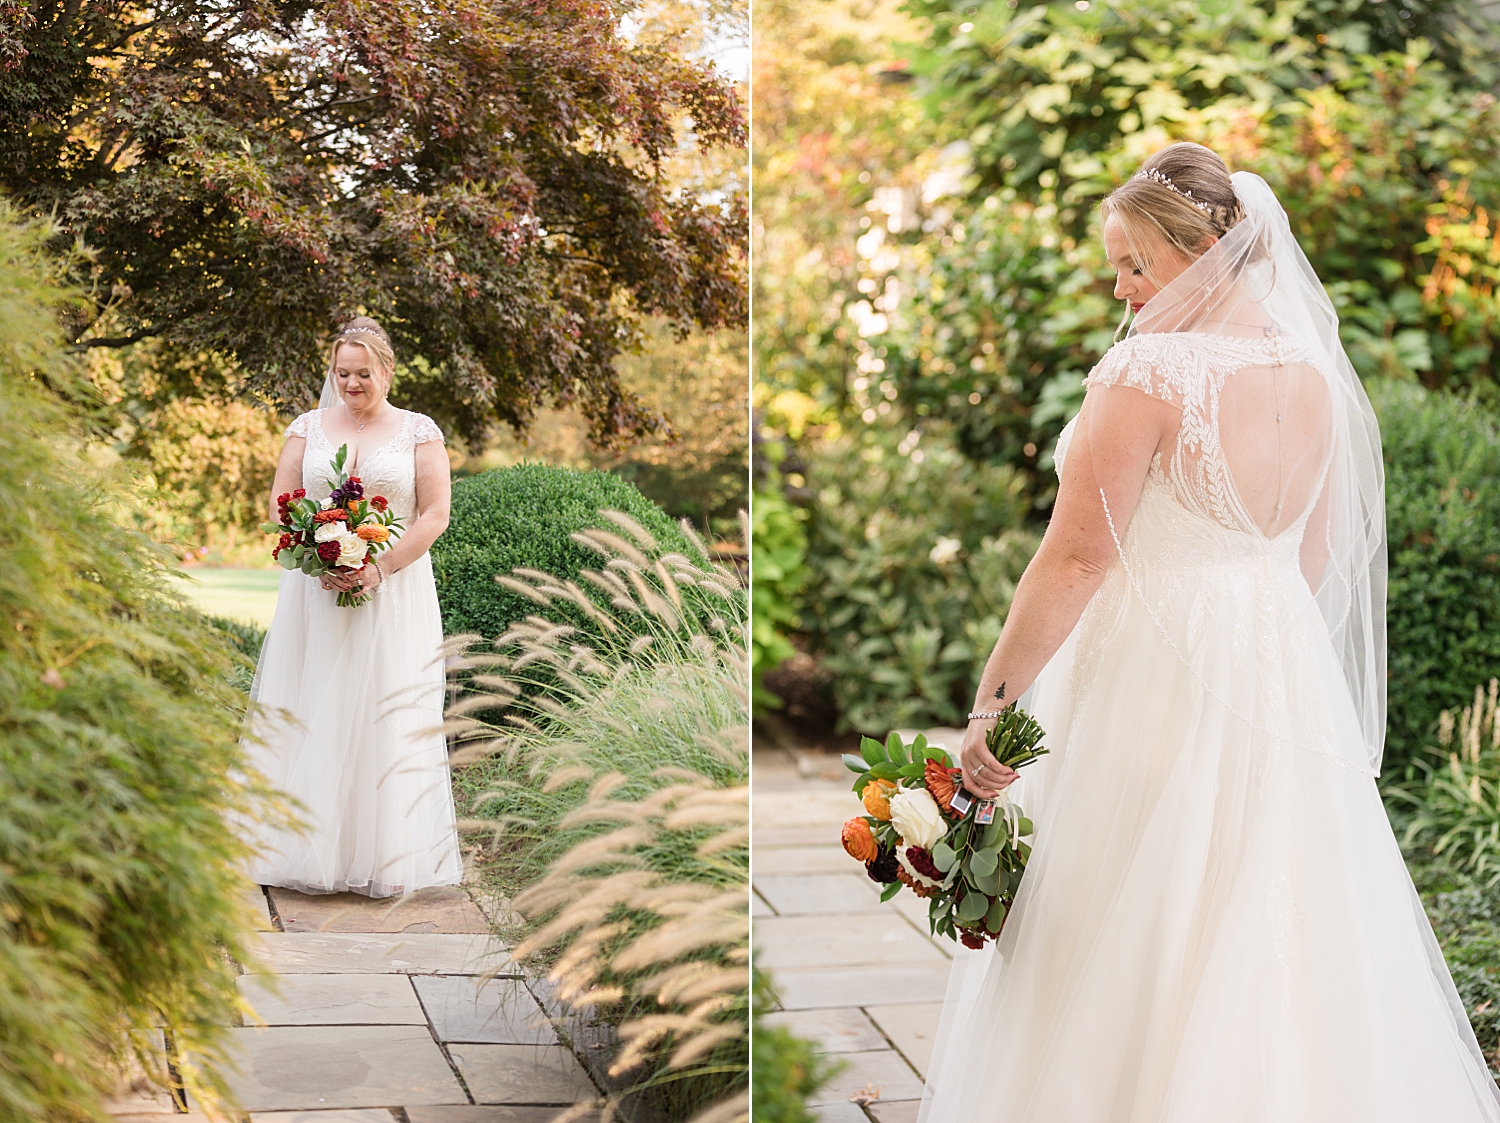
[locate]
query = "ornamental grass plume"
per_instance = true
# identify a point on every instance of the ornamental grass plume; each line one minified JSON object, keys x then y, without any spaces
{"x":1455,"y":801}
{"x":606,"y":784}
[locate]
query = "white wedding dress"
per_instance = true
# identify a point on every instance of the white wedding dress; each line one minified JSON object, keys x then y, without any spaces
{"x":1216,"y":924}
{"x":348,"y":702}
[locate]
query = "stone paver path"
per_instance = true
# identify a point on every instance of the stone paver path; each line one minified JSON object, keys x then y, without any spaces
{"x":862,"y":979}
{"x":386,"y":1012}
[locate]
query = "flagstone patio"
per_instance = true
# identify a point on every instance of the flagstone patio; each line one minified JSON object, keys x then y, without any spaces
{"x":386,"y":1012}
{"x":862,"y":979}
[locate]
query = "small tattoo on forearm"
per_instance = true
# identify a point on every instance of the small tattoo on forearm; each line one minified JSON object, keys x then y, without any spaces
{"x":1000,"y":694}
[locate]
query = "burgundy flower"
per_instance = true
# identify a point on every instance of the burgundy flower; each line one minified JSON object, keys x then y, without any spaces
{"x":379,"y":503}
{"x":329,"y":551}
{"x":971,"y":939}
{"x":885,"y":868}
{"x":921,"y":861}
{"x":299,"y":494}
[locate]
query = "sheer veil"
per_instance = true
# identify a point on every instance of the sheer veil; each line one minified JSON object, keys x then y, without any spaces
{"x":1255,"y":283}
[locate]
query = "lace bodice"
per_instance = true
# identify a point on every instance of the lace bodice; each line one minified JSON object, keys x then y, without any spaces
{"x":1194,"y":372}
{"x":389,"y":470}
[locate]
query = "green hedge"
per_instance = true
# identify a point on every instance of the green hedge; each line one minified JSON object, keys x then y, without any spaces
{"x":913,"y":554}
{"x":121,"y":898}
{"x":1442,"y":462}
{"x":522,"y":518}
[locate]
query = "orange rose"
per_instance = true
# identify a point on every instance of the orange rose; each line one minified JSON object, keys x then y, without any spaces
{"x":877,"y":798}
{"x":859,"y":840}
{"x":942,"y":783}
{"x":374,"y":532}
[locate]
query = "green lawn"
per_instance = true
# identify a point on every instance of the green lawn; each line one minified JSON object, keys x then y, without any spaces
{"x":240,"y":594}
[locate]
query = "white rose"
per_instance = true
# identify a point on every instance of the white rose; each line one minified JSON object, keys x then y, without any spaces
{"x":327,"y":503}
{"x":917,"y":818}
{"x":945,"y":551}
{"x":352,"y":550}
{"x":327,"y":532}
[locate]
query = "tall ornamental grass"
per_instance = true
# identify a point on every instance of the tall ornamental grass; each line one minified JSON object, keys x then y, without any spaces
{"x":1454,"y":807}
{"x":613,"y":810}
{"x":120,"y":905}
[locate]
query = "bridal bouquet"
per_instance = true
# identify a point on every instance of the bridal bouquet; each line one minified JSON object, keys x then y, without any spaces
{"x":924,"y":831}
{"x":343,"y":532}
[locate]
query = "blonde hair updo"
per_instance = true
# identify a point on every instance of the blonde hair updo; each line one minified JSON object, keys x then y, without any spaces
{"x":1196,"y":202}
{"x":372,"y":337}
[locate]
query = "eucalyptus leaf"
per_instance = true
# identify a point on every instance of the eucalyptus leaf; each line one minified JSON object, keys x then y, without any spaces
{"x":996,"y":915}
{"x":943,"y":856}
{"x":983,"y":862}
{"x":973,"y":906}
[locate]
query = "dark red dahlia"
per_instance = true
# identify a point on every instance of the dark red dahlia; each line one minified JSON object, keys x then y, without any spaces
{"x":921,"y":861}
{"x":885,"y":868}
{"x":329,"y":551}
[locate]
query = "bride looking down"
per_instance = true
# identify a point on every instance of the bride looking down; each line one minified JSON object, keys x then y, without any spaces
{"x":1215,"y":922}
{"x":347,"y":702}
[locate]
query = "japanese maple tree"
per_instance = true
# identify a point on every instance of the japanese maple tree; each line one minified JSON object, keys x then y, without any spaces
{"x":486,"y":176}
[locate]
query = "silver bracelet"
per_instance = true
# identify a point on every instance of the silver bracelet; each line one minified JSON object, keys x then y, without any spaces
{"x":979,"y":715}
{"x":379,"y":571}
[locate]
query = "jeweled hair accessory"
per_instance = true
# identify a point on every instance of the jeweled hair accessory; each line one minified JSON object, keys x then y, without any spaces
{"x":1158,"y":176}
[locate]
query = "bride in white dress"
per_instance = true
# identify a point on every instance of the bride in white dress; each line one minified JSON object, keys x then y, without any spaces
{"x":347,"y":702}
{"x":1216,"y":925}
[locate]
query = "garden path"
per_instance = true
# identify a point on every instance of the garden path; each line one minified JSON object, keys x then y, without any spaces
{"x":871,"y":1000}
{"x":386,"y":1012}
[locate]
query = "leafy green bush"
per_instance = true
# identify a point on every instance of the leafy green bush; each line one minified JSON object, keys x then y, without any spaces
{"x":787,"y":1068}
{"x":522,"y":518}
{"x":614,"y":811}
{"x":1442,"y":461}
{"x":120,"y":890}
{"x":246,"y":639}
{"x":778,"y":558}
{"x":914,"y":552}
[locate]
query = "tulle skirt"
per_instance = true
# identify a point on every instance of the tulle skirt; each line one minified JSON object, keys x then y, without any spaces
{"x":1216,"y":923}
{"x":346,"y":715}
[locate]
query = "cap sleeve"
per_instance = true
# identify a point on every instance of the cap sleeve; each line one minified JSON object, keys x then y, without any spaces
{"x":424,"y":429}
{"x":298,"y":428}
{"x":1161,"y":366}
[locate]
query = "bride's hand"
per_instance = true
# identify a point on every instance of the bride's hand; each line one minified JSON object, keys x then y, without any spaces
{"x":366,"y":579}
{"x":984,"y":776}
{"x":339,"y":580}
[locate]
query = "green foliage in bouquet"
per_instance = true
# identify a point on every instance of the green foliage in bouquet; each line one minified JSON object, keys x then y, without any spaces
{"x":524,"y":518}
{"x":604,"y":776}
{"x":913,"y":553}
{"x":121,"y":897}
{"x":1442,"y":489}
{"x":970,"y":858}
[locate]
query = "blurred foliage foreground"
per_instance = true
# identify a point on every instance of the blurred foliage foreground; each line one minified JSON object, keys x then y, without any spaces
{"x":120,"y":904}
{"x":931,"y":289}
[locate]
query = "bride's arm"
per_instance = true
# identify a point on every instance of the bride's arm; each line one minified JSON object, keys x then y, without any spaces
{"x":1119,"y":430}
{"x":288,"y":473}
{"x":434,"y":496}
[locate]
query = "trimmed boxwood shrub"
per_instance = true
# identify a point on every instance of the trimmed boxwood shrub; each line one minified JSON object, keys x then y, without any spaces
{"x":1442,"y":463}
{"x":522,"y":518}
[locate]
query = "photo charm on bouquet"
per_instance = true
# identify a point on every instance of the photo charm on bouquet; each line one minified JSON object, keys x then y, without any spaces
{"x":925,"y":831}
{"x":343,"y":532}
